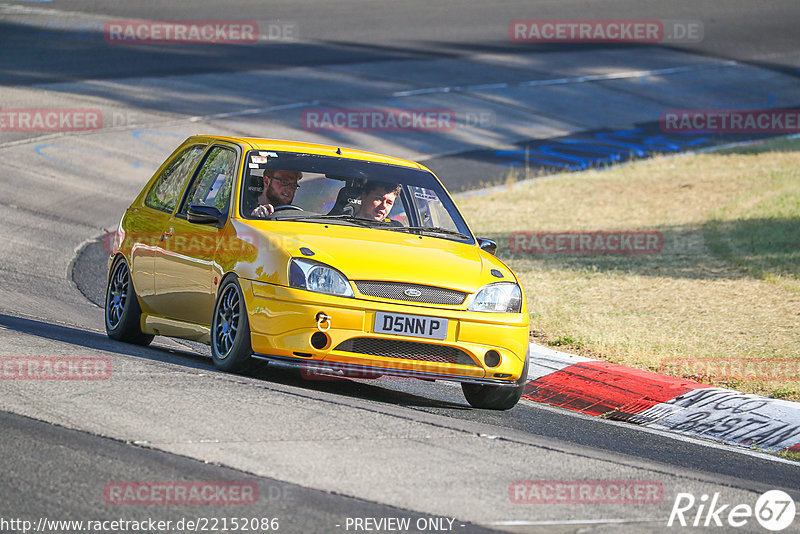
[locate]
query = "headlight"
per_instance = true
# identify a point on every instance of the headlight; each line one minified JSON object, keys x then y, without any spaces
{"x":500,"y":297}
{"x":318,"y":277}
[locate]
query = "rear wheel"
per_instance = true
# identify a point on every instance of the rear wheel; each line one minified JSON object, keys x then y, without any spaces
{"x":496,"y":397}
{"x":230,"y":329}
{"x":122,"y":311}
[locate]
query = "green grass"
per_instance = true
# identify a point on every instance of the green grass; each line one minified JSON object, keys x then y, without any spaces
{"x":792,"y":455}
{"x":726,"y":285}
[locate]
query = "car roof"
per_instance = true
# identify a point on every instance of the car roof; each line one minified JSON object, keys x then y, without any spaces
{"x":314,"y":148}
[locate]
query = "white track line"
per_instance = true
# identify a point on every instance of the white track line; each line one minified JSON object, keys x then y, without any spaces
{"x":565,"y":81}
{"x":162,"y":123}
{"x":572,"y":522}
{"x":252,"y":111}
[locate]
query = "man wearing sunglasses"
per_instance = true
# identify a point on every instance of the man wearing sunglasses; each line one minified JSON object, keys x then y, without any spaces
{"x":279,"y":189}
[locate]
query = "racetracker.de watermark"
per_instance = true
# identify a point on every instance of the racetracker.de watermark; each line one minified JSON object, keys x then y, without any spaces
{"x":340,"y":372}
{"x":771,"y":369}
{"x":163,"y":493}
{"x":585,"y":492}
{"x":195,"y":243}
{"x":55,"y":368}
{"x":379,"y":119}
{"x":197,"y":31}
{"x":50,"y":119}
{"x":601,"y":242}
{"x":730,"y":121}
{"x":605,"y":31}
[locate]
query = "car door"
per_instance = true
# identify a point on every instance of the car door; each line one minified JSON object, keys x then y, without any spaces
{"x":185,"y":270}
{"x":148,"y":223}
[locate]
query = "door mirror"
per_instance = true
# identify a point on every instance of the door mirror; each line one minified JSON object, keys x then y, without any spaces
{"x":488,"y":245}
{"x":205,"y":215}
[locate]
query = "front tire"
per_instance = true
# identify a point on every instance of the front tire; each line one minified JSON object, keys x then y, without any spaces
{"x":496,"y":397}
{"x":230,"y":329}
{"x":122,"y":311}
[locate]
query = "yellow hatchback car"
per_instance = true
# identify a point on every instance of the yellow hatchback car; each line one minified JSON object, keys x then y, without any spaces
{"x":321,"y":257}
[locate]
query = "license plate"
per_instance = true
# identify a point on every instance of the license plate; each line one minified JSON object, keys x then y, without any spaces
{"x":411,"y":325}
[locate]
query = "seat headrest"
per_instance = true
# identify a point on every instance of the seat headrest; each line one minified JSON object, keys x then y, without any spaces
{"x":348,"y":201}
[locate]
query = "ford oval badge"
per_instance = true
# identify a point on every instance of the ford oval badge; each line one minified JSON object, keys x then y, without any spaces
{"x":411,"y":292}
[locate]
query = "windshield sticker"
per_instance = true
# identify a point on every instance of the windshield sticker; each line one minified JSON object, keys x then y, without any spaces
{"x":258,"y":159}
{"x":269,"y":154}
{"x":253,"y":165}
{"x":424,"y":194}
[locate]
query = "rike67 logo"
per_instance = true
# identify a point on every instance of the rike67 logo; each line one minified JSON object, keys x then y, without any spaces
{"x":774,"y":511}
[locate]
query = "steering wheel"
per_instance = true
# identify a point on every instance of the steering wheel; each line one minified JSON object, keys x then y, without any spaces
{"x":285,"y":207}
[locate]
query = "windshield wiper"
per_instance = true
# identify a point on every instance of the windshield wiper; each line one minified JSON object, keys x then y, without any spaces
{"x":318,"y":216}
{"x":430,"y":229}
{"x":371,"y":223}
{"x":342,"y":217}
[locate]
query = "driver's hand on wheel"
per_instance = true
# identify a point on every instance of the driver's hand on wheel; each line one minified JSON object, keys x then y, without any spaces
{"x":263,"y":210}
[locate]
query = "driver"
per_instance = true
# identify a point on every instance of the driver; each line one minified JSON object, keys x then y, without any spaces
{"x":279,"y":189}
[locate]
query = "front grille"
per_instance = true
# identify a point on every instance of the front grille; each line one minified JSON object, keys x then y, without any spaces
{"x":407,"y":350}
{"x":395,"y":291}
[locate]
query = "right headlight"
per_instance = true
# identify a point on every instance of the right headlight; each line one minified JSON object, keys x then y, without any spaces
{"x":499,"y":297}
{"x":318,"y":277}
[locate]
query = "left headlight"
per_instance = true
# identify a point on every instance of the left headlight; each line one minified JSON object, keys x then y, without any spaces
{"x":500,"y":297}
{"x":318,"y":277}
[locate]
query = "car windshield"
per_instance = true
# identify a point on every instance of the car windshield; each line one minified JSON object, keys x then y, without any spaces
{"x":312,"y":188}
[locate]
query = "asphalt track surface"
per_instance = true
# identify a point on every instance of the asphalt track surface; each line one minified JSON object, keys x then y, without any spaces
{"x":760,"y":31}
{"x":57,"y":461}
{"x":320,"y":451}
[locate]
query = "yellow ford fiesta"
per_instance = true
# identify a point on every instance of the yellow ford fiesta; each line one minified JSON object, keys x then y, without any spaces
{"x":321,"y":257}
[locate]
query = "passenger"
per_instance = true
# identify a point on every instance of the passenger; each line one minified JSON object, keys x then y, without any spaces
{"x":377,"y":199}
{"x":279,"y":189}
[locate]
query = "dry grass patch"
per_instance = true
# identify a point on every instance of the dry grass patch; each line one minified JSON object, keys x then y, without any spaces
{"x":726,"y":286}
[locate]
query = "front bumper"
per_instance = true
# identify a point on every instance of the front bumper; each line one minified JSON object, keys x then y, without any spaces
{"x":283,"y":320}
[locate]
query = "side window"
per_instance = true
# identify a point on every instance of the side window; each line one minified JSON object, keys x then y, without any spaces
{"x":398,"y":212}
{"x":431,"y":211}
{"x":213,"y":183}
{"x":167,"y":189}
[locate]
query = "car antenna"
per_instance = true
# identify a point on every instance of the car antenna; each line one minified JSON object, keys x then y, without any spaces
{"x":339,"y":151}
